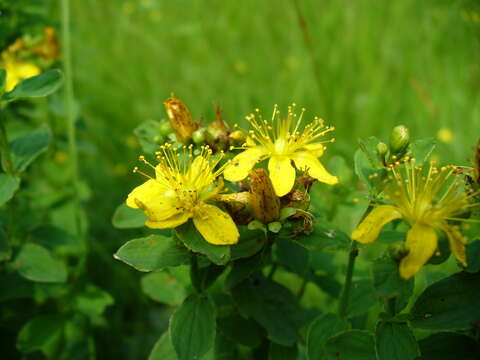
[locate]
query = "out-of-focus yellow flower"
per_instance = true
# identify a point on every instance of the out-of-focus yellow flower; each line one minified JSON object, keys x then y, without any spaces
{"x":445,"y":135}
{"x":282,"y":140}
{"x":429,"y":201}
{"x":182,"y":185}
{"x":17,"y":70}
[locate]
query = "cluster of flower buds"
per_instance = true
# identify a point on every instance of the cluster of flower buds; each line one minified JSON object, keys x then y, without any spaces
{"x":398,"y":145}
{"x":216,"y":134}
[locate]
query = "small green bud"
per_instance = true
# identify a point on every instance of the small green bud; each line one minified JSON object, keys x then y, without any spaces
{"x":382,"y":149}
{"x":165,"y":128}
{"x":159,"y":139}
{"x":275,"y":227}
{"x":399,"y":140}
{"x":198,"y":136}
{"x":397,"y":251}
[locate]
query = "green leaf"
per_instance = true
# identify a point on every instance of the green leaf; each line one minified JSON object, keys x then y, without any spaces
{"x":250,"y":242}
{"x":36,"y":263}
{"x":328,"y":238}
{"x":351,"y":345}
{"x":321,"y":329}
{"x":152,"y":253}
{"x":367,"y":164}
{"x":292,"y":255}
{"x":388,"y":283}
{"x":36,"y":86}
{"x":163,"y":348}
{"x":244,"y":268}
{"x":327,"y":283}
{"x":218,"y":254}
{"x":422,"y":149}
{"x":164,"y":288}
{"x":473,"y":257}
{"x":3,"y":81}
{"x":93,"y":301}
{"x":5,"y":249}
{"x":15,"y":287}
{"x":391,"y":236}
{"x":449,"y":346}
{"x":451,"y":303}
{"x":274,"y":307}
{"x":204,"y":276}
{"x":9,"y":184}
{"x":240,"y":330}
{"x":42,"y":333}
{"x":127,"y":218}
{"x":192,"y":327}
{"x":362,"y":298}
{"x":280,"y":352}
{"x":149,"y":135}
{"x":25,"y":149}
{"x":395,"y":341}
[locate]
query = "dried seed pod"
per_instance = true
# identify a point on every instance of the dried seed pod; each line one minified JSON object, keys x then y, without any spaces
{"x":265,"y":204}
{"x":180,"y":118}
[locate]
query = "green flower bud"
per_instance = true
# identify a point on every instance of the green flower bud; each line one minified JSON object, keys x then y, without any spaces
{"x":382,"y":150}
{"x":198,"y":136}
{"x":399,"y":140}
{"x":165,"y":128}
{"x":397,"y":251}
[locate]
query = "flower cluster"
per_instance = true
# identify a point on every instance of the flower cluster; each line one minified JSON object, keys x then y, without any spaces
{"x":183,"y":183}
{"x":187,"y":184}
{"x":429,"y":200}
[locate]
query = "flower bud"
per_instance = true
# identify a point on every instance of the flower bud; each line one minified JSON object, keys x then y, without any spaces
{"x":399,"y":140}
{"x":165,"y":128}
{"x":265,"y":204}
{"x":180,"y":119}
{"x":237,"y":136}
{"x":382,"y":150}
{"x":198,"y":136}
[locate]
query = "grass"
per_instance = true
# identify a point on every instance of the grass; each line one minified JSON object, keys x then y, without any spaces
{"x":382,"y":63}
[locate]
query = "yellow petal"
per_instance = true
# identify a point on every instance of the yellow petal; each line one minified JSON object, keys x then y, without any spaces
{"x":308,"y":162}
{"x":171,"y":222}
{"x":282,"y":174}
{"x":367,"y":231}
{"x":421,"y":244}
{"x":158,"y":202}
{"x":316,"y":149}
{"x":216,"y":226}
{"x":242,"y":163}
{"x":457,"y":243}
{"x":27,"y":70}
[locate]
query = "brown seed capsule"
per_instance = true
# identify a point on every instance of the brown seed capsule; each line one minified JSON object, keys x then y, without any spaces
{"x":265,"y":204}
{"x":180,"y":118}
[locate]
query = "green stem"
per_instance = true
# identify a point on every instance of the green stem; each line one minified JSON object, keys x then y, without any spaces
{"x":4,"y":148}
{"x":69,"y":95}
{"x":343,"y":304}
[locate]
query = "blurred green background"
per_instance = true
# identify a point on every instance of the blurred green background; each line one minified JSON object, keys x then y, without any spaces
{"x":362,"y":65}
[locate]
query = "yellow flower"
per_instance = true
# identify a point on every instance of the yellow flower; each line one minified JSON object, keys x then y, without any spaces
{"x":182,"y":186}
{"x":429,"y":201}
{"x":17,"y":70}
{"x":282,"y":140}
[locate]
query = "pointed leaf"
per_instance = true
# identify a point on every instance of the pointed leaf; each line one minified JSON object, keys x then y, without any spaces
{"x":153,"y":253}
{"x":36,"y":86}
{"x":192,"y":327}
